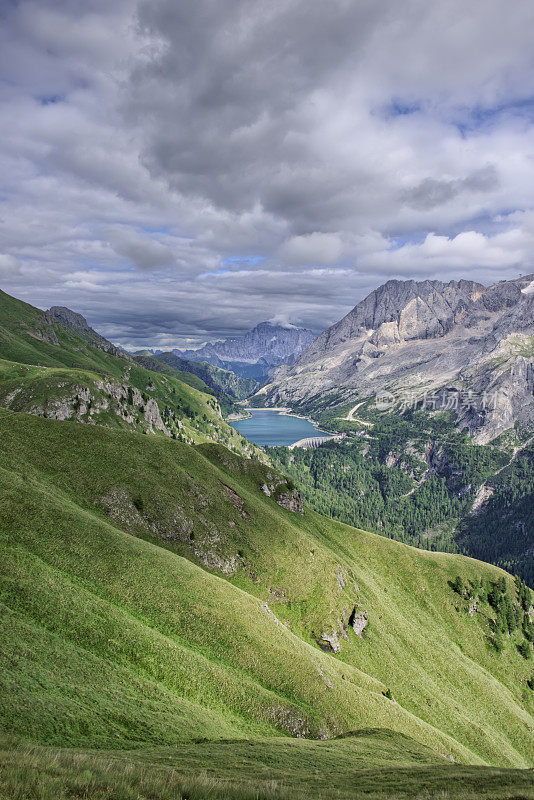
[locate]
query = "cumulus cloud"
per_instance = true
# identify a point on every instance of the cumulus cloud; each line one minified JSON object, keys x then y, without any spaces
{"x":432,"y":192}
{"x":142,"y":252}
{"x":182,"y":171}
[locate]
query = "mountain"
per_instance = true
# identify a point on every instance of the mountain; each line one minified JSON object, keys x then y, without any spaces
{"x":156,"y":595}
{"x":220,"y":380}
{"x":434,"y":383}
{"x":257,"y":353}
{"x":171,"y":609}
{"x":75,"y":321}
{"x":53,"y":364}
{"x":412,"y":339}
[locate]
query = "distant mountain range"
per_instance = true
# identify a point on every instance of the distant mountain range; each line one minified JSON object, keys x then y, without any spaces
{"x":226,"y":384}
{"x":257,"y":353}
{"x":413,"y":339}
{"x":166,"y":595}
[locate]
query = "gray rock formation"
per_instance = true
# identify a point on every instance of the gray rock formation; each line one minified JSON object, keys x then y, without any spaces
{"x":70,"y":319}
{"x":411,"y":339}
{"x":257,"y":353}
{"x":284,"y":495}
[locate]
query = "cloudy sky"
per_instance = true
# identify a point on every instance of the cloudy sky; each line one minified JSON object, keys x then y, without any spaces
{"x":179,"y":170}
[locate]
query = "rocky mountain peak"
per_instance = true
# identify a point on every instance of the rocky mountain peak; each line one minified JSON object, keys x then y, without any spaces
{"x":417,"y":336}
{"x":257,"y":352}
{"x":401,"y":311}
{"x":71,"y":319}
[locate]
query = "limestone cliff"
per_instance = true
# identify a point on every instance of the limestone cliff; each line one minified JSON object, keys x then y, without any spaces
{"x":415,"y":338}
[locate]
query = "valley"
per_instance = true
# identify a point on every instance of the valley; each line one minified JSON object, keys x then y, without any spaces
{"x":266,"y":400}
{"x":440,"y":453}
{"x":171,"y":604}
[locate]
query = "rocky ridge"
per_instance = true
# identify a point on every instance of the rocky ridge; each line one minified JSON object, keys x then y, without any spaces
{"x":71,"y":319}
{"x":414,"y":339}
{"x":90,"y":403}
{"x":257,"y":353}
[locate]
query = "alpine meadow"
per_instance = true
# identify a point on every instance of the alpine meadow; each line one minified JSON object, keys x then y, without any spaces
{"x":266,"y":400}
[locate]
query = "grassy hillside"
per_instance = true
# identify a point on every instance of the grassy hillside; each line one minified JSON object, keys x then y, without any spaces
{"x":169,"y":608}
{"x":193,"y":378}
{"x":375,"y":764}
{"x":153,"y":593}
{"x":55,"y":371}
{"x":231,"y":384}
{"x":416,"y":478}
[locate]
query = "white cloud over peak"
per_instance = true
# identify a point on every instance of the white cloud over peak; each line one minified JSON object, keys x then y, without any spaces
{"x":181,"y":171}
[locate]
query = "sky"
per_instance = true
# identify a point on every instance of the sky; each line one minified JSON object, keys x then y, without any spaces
{"x":178,"y":171}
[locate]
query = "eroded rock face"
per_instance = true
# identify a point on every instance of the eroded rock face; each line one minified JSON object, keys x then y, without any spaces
{"x":86,"y":403}
{"x":359,"y":620}
{"x":330,"y":640}
{"x":153,"y":417}
{"x":278,"y":489}
{"x":483,"y":494}
{"x":292,"y":501}
{"x":407,"y":335}
{"x":44,"y":331}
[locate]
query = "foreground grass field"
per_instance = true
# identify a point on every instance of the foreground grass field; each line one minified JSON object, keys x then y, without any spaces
{"x":371,"y":764}
{"x":152,"y":593}
{"x":171,"y":626}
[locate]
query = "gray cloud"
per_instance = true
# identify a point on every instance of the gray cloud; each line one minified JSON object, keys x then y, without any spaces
{"x":431,"y":192}
{"x":181,"y":171}
{"x":142,"y":253}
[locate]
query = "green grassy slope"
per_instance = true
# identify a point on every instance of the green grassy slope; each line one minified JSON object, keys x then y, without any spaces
{"x":370,"y":763}
{"x":55,"y":371}
{"x":29,"y":337}
{"x":230,"y":383}
{"x":152,"y":592}
{"x":194,"y":377}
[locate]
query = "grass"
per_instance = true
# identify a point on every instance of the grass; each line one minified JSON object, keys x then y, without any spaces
{"x":164,"y":622}
{"x":53,"y":365}
{"x":370,"y":764}
{"x":99,"y":596}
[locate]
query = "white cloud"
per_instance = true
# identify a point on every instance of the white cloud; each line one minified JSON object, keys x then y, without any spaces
{"x":211,"y":165}
{"x":9,"y":266}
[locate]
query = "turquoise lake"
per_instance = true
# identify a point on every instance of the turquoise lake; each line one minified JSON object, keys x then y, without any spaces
{"x":272,"y":428}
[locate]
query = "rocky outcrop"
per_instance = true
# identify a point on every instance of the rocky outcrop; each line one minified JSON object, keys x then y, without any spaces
{"x":129,"y":398}
{"x":359,"y":619}
{"x":412,"y":339}
{"x":235,"y":500}
{"x":67,"y":400}
{"x":153,"y":417}
{"x":330,"y":640}
{"x":70,"y":319}
{"x":43,"y":330}
{"x":287,"y":497}
{"x":291,"y":501}
{"x":483,"y":494}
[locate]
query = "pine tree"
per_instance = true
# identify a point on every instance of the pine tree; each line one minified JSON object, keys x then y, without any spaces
{"x":525,"y":648}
